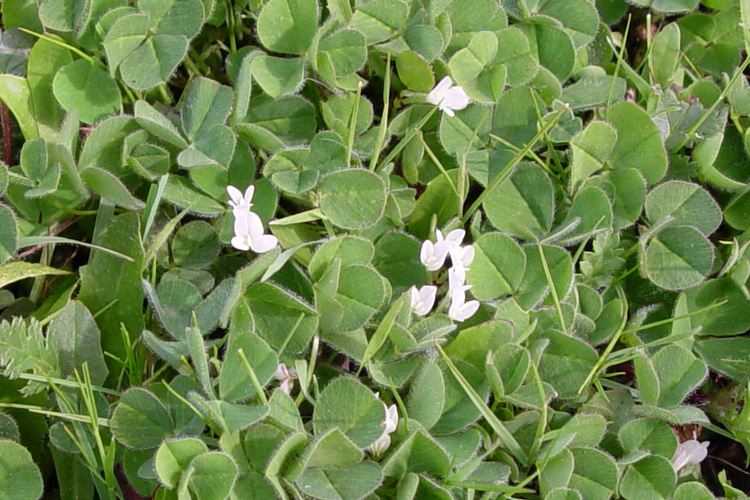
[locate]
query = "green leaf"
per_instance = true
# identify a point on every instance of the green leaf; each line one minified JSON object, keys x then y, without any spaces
{"x":683,"y":203}
{"x":648,"y":435}
{"x":278,"y":315}
{"x":534,"y":285}
{"x":352,"y":198}
{"x":16,"y":94}
{"x":414,"y":71}
{"x":210,"y":476}
{"x":20,"y":478}
{"x":204,"y":105}
{"x":579,"y":18}
{"x":592,"y":90}
{"x":153,"y":62}
{"x":342,"y":483}
{"x":522,"y":205}
{"x":140,"y":420}
{"x":76,"y":338}
{"x":195,"y":245}
{"x":566,"y":362}
{"x":728,"y":314}
{"x":110,"y":187}
{"x":678,"y":257}
{"x":668,"y":6}
{"x":331,"y":450}
{"x":595,"y":474}
{"x":63,"y":15}
{"x":214,"y":148}
{"x":591,"y":149}
{"x":180,"y":192}
{"x":476,"y":71}
{"x":235,"y":382}
{"x":351,"y":407}
{"x":8,"y":233}
{"x":288,"y":26}
{"x":498,"y":266}
{"x":23,"y":348}
{"x":45,"y":59}
{"x":174,"y":17}
{"x":173,"y":458}
{"x":593,"y":211}
{"x":157,"y":124}
{"x":651,"y":477}
{"x":111,"y":289}
{"x":692,"y":491}
{"x":379,"y":20}
{"x":679,"y":371}
{"x":426,"y":397}
{"x":665,"y":54}
{"x":274,"y":124}
{"x":88,"y":89}
{"x":639,"y":143}
{"x":278,"y":76}
{"x":514,"y":53}
{"x":724,"y":355}
{"x":397,"y":259}
{"x":346,"y":50}
{"x":10,"y":272}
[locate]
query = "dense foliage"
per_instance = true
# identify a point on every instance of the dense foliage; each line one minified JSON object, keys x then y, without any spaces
{"x":361,"y":249}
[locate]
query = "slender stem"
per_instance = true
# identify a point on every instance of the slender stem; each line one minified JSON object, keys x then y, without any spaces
{"x":64,"y":45}
{"x":409,"y":136}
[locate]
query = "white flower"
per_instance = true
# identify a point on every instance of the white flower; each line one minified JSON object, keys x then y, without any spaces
{"x":380,"y":445}
{"x":453,"y":239}
{"x":422,"y":299}
{"x":460,"y":310}
{"x":390,"y":423}
{"x":433,"y":255}
{"x":461,"y":258}
{"x":286,"y":376}
{"x":238,"y":201}
{"x":248,"y":233}
{"x":448,"y":98}
{"x":689,"y":452}
{"x":391,"y":418}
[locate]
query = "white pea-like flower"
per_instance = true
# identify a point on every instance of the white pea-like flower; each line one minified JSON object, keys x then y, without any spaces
{"x":286,"y":376}
{"x":380,"y":445}
{"x":248,"y":233}
{"x":238,"y":201}
{"x":448,"y":97}
{"x":391,"y":418}
{"x":422,"y":299}
{"x":433,"y":255}
{"x":459,"y":310}
{"x":461,"y":258}
{"x":690,"y":452}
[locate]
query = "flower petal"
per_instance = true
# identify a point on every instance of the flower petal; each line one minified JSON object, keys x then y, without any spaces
{"x":235,"y":195}
{"x":264,"y":243}
{"x":240,"y":243}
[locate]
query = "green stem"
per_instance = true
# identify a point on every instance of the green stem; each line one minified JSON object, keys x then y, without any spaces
{"x":409,"y":136}
{"x":383,"y":127}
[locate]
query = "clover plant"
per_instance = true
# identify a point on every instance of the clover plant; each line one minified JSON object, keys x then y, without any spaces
{"x":374,"y":249}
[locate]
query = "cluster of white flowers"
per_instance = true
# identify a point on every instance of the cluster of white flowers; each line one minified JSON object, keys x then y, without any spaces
{"x":286,"y":376}
{"x":248,"y":228}
{"x":690,"y":452}
{"x":390,"y":423}
{"x":448,"y":97}
{"x":433,"y":256}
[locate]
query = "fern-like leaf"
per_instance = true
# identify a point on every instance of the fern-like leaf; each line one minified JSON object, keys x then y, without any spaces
{"x":23,"y":348}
